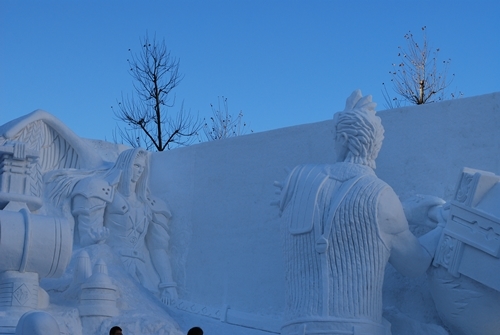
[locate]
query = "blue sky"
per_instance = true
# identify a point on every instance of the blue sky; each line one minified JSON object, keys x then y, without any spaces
{"x":282,"y":63}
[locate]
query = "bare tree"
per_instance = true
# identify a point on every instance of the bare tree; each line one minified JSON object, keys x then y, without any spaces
{"x":222,"y":124}
{"x":147,"y":118}
{"x":419,"y":77}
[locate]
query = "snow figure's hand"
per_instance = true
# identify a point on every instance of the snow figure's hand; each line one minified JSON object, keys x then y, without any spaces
{"x":99,"y":234}
{"x":440,"y":214}
{"x":279,"y":188}
{"x":169,"y":295}
{"x":425,"y":210}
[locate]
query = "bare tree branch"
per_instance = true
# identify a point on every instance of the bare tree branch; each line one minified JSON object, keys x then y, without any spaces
{"x":221,"y":124}
{"x":418,"y":78}
{"x":147,"y":118}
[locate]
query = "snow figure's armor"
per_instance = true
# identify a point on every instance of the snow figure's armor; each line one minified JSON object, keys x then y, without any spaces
{"x":133,"y":231}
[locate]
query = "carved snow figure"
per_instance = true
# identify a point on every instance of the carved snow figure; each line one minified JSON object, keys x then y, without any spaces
{"x":341,"y":225}
{"x":115,"y":207}
{"x":42,"y":163}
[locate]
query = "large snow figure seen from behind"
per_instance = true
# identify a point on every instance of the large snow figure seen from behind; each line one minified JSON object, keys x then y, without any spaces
{"x":341,"y":225}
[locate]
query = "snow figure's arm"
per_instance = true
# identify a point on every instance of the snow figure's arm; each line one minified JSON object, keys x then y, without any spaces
{"x":89,"y":201}
{"x":157,"y":241}
{"x":408,"y":255}
{"x":427,"y":210}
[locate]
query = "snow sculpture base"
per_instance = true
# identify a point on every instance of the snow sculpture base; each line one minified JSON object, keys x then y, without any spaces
{"x":337,"y":326}
{"x":19,"y":290}
{"x":131,"y":306}
{"x":19,"y":294}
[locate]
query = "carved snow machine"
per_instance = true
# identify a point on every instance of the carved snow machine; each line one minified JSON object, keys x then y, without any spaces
{"x":470,"y":244}
{"x":31,"y":245}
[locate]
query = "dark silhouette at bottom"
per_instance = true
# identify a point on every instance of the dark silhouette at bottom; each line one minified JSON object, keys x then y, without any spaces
{"x":195,"y":331}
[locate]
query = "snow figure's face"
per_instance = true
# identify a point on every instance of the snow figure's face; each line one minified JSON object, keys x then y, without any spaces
{"x":138,"y":168}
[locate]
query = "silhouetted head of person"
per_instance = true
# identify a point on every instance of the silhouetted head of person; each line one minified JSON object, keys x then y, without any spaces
{"x":195,"y":331}
{"x":115,"y":331}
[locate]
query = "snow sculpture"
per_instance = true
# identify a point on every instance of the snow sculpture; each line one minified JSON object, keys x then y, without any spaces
{"x":466,"y":282}
{"x":341,"y":225}
{"x":55,"y":189}
{"x":37,"y":323}
{"x":57,"y":146}
{"x":97,"y":298}
{"x":114,"y":206}
{"x":19,"y":183}
{"x":31,"y":246}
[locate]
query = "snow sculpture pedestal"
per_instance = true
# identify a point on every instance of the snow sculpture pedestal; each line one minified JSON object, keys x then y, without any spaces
{"x":19,"y":292}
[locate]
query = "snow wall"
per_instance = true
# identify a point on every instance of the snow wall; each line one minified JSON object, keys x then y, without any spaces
{"x":225,"y":232}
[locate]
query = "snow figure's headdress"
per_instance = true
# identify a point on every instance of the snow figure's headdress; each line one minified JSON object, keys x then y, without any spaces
{"x":363,"y":129}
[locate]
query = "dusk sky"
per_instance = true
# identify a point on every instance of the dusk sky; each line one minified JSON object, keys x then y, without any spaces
{"x":282,"y":63}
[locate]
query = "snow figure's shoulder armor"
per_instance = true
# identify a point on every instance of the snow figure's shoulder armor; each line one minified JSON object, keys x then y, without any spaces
{"x":92,"y":187}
